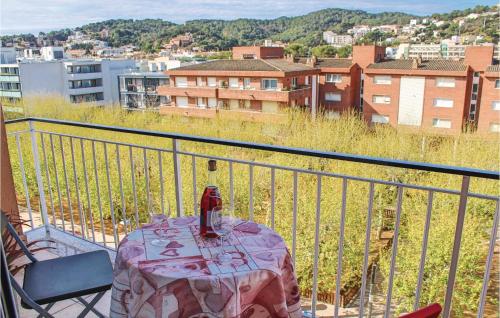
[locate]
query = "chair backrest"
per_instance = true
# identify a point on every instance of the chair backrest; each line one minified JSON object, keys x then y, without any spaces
{"x":431,"y":311}
{"x":12,"y":231}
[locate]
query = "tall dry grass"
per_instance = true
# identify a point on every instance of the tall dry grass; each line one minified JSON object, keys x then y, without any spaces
{"x":347,"y":135}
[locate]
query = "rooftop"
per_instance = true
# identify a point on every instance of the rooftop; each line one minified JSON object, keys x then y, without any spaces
{"x":329,"y":62}
{"x":430,"y":65}
{"x":254,"y":65}
{"x":493,"y":68}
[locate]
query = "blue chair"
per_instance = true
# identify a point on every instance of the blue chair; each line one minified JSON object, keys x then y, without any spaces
{"x":47,"y":282}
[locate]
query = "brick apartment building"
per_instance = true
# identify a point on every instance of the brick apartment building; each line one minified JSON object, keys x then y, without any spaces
{"x":444,"y":95}
{"x":256,"y":79}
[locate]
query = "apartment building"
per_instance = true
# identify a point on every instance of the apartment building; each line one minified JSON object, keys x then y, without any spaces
{"x":430,"y":94}
{"x":338,"y":84}
{"x":337,"y":40}
{"x":263,"y":85}
{"x":76,"y":80}
{"x":139,"y":90}
{"x":489,"y":114}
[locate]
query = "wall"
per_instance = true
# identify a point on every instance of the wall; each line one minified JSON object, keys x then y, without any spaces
{"x":391,"y":90}
{"x":487,"y":115}
{"x":42,"y":78}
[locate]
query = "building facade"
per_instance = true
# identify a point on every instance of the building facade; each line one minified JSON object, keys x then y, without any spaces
{"x":139,"y":90}
{"x":264,"y":85}
{"x":76,"y":80}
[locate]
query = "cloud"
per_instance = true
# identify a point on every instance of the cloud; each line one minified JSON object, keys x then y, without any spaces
{"x":55,"y":14}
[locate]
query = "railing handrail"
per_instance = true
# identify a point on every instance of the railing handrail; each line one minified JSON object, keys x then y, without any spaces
{"x":455,"y":170}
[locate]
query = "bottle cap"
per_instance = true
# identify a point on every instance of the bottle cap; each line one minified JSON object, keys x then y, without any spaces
{"x":212,"y":165}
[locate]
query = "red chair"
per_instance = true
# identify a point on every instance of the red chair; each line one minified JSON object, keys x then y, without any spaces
{"x":431,"y":311}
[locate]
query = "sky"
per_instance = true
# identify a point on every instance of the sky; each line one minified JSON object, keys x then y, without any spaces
{"x":18,"y":16}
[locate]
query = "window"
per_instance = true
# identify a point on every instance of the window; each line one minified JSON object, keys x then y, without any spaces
{"x":233,"y":82}
{"x":294,"y":82}
{"x":270,"y":84}
{"x":475,"y":88}
{"x":497,"y":83}
{"x":380,"y":119}
{"x":442,"y":102}
{"x":306,"y":80}
{"x":495,"y":127}
{"x":181,"y":82}
{"x":333,"y":78}
{"x":441,"y":123}
{"x":85,"y":83}
{"x":306,"y":101}
{"x":495,"y":105}
{"x":200,"y":102}
{"x":445,"y":82}
{"x":199,"y":81}
{"x":211,"y":81}
{"x":382,"y":80}
{"x":333,"y":97}
{"x":212,"y":102}
{"x":74,"y":69}
{"x":246,"y":82}
{"x":86,"y":98}
{"x":381,"y":99}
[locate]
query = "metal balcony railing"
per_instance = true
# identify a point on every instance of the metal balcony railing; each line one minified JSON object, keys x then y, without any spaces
{"x":89,"y":167}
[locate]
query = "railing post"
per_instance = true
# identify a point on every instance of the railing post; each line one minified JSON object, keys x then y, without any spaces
{"x":456,"y":246}
{"x":39,"y":180}
{"x":177,"y":177}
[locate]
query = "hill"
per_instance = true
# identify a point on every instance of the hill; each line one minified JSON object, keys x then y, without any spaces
{"x":212,"y":34}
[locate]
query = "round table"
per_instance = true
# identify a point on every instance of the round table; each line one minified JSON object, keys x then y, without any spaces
{"x":184,"y":278}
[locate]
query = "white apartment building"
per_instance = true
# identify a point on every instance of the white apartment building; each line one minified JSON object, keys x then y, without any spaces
{"x":138,"y":90}
{"x":445,"y":50}
{"x":76,"y":80}
{"x":337,"y":40}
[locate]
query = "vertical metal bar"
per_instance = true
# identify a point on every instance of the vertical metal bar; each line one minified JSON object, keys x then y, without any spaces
{"x":231,"y":185}
{"x":122,"y":197}
{"x":162,"y":189}
{"x":489,"y":262}
{"x":273,"y":195}
{"x":424,"y":250}
{"x":146,"y":175}
{"x":89,"y":205}
{"x":25,"y":184}
{"x":47,"y":175}
{"x":250,"y":182}
{"x":77,"y":188}
{"x":67,"y":185}
{"x":294,"y":217}
{"x":367,"y":250}
{"x":394,"y":254}
{"x":110,"y":195}
{"x":132,"y":175}
{"x":177,"y":177}
{"x":98,"y":192}
{"x":195,"y":194}
{"x":456,"y":246}
{"x":316,"y":248}
{"x":39,"y":180}
{"x":341,"y":248}
{"x":56,"y":174}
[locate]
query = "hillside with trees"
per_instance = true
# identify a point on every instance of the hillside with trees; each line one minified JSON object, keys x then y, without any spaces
{"x":306,"y":30}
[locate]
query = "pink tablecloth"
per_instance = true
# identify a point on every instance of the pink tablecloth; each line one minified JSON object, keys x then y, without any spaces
{"x":182,"y":279}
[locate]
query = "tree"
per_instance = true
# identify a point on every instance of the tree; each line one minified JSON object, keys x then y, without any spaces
{"x":344,"y":51}
{"x":324,"y":51}
{"x":296,"y":49}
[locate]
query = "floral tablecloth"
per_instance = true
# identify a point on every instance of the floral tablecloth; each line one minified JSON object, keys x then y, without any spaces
{"x":184,"y":279}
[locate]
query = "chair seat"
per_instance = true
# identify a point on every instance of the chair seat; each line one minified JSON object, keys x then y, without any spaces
{"x":68,"y":277}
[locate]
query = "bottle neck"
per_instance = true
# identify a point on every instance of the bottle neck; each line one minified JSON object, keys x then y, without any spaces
{"x":211,"y":178}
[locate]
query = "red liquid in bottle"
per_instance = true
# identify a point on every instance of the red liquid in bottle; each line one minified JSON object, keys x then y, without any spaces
{"x":210,"y":200}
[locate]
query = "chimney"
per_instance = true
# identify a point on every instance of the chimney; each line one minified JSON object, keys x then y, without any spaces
{"x":415,"y":64}
{"x":312,"y":61}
